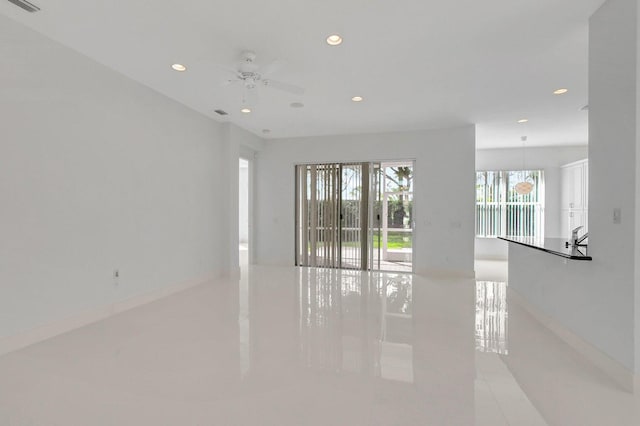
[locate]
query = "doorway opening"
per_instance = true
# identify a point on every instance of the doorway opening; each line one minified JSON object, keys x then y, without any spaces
{"x":244,"y":238}
{"x":355,"y":215}
{"x":243,"y":211}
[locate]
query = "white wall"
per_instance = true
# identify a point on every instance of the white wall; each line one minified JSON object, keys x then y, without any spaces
{"x":97,"y":172}
{"x":595,"y":300}
{"x":637,"y":206}
{"x":444,"y":191}
{"x":613,"y":55}
{"x":548,"y":159}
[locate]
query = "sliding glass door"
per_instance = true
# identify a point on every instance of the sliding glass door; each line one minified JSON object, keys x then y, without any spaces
{"x":354,"y":215}
{"x":397,"y":216}
{"x":354,"y":219}
{"x":318,"y":215}
{"x":333,"y":215}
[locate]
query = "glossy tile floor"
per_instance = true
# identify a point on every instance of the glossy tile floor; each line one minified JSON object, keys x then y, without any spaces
{"x":288,"y":346}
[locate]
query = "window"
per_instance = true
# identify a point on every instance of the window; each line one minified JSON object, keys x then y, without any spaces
{"x":501,"y":211}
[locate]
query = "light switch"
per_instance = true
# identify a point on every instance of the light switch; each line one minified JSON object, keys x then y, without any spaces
{"x":617,"y":215}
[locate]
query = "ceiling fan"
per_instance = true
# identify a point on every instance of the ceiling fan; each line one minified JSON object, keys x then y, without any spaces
{"x":251,"y":76}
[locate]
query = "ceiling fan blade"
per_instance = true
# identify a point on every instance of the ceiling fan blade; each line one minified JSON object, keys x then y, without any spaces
{"x":228,"y":73}
{"x":285,"y":87}
{"x":271,"y":67}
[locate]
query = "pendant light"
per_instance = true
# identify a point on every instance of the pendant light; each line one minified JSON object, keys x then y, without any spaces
{"x":524,"y":187}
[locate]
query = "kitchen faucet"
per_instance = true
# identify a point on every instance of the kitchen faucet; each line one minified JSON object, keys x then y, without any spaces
{"x":575,"y":241}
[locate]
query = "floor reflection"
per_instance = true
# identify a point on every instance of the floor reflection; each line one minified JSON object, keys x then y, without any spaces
{"x":392,"y":337}
{"x":357,"y":322}
{"x":305,"y":346}
{"x":491,"y":317}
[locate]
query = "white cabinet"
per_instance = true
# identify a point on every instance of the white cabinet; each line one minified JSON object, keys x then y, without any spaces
{"x":573,"y":186}
{"x":574,"y":197}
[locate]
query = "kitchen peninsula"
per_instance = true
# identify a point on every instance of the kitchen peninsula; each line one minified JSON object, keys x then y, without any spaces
{"x":555,"y":246}
{"x":554,"y":282}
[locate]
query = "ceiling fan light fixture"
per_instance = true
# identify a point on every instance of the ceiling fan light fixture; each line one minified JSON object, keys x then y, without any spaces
{"x":250,"y":76}
{"x":245,"y":110}
{"x":179,"y":67}
{"x":334,"y":40}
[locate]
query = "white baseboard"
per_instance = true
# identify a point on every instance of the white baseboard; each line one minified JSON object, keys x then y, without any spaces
{"x":493,"y":258}
{"x":64,"y":325}
{"x":620,"y":374}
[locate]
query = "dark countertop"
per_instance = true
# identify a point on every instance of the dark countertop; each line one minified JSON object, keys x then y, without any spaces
{"x":556,"y":246}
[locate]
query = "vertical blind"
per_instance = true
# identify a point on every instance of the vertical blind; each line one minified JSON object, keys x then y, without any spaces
{"x":333,"y":215}
{"x":501,"y":211}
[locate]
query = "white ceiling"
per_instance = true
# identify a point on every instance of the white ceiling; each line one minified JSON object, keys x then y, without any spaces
{"x":418,"y":63}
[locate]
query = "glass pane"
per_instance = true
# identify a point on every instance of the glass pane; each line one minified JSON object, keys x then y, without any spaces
{"x":501,"y":210}
{"x":397,"y":220}
{"x":398,"y":178}
{"x":481,"y":182}
{"x":351,"y":243}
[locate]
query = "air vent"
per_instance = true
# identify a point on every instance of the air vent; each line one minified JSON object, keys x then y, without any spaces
{"x":29,"y":7}
{"x":221,"y":112}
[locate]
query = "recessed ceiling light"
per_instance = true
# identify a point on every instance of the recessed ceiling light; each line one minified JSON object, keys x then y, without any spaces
{"x":334,"y":40}
{"x":296,"y":105}
{"x":179,"y":67}
{"x":560,"y":91}
{"x":245,"y":110}
{"x":523,"y":120}
{"x":357,"y":99}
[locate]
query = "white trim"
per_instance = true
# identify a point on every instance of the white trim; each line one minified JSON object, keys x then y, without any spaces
{"x":621,"y":375}
{"x":575,"y":163}
{"x":492,"y":257}
{"x":64,"y":325}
